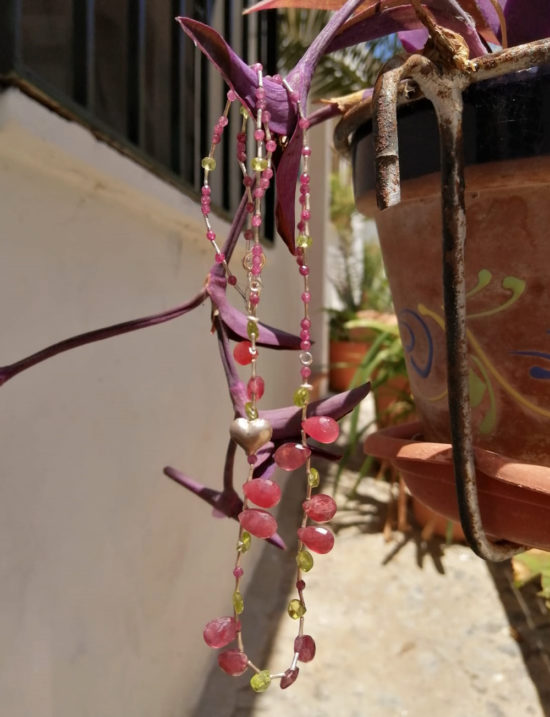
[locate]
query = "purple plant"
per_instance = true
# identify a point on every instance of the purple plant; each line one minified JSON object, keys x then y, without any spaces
{"x":354,"y":21}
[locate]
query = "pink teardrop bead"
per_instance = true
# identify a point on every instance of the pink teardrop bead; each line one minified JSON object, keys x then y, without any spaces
{"x":320,"y":508}
{"x":234,"y":662}
{"x":290,"y":456}
{"x":320,"y":540}
{"x":221,"y":631}
{"x":255,"y":387}
{"x":259,"y":523}
{"x":304,"y":645}
{"x":321,"y":428}
{"x":289,"y":678}
{"x":262,"y":492}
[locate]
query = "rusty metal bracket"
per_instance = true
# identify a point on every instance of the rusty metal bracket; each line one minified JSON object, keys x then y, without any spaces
{"x":444,"y":89}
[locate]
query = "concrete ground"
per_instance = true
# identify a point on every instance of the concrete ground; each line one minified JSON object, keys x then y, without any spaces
{"x":403,"y":629}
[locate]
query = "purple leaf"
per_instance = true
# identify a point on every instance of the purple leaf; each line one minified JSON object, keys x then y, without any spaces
{"x":371,"y":24}
{"x":236,"y":321}
{"x":242,"y":78}
{"x":287,"y":422}
{"x":226,"y":502}
{"x":526,"y":20}
{"x":7,"y":372}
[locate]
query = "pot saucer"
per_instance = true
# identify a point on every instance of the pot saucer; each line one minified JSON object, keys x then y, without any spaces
{"x":514,"y":497}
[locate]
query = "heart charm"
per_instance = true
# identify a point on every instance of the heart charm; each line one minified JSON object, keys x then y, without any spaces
{"x":250,"y":435}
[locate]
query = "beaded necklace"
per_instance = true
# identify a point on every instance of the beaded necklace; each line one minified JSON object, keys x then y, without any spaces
{"x":251,"y":431}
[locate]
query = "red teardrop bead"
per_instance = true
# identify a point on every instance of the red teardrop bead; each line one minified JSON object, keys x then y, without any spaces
{"x":320,"y":540}
{"x":262,"y":492}
{"x":320,"y":508}
{"x":259,"y":523}
{"x":221,"y":631}
{"x":290,"y":456}
{"x":304,"y":645}
{"x":234,"y":662}
{"x":289,"y":678}
{"x":321,"y":428}
{"x":242,"y":354}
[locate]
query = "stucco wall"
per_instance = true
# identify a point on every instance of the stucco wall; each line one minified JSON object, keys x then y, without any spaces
{"x":108,"y":570}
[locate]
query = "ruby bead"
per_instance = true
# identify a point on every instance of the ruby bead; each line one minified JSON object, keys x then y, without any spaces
{"x":271,"y":145}
{"x":289,"y":678}
{"x":268,"y":172}
{"x":221,"y":631}
{"x":305,"y":372}
{"x":304,"y":334}
{"x":256,"y":220}
{"x":242,"y":353}
{"x":306,"y":297}
{"x":238,"y":572}
{"x":257,"y":522}
{"x":290,"y":456}
{"x":210,"y":235}
{"x":304,"y":270}
{"x":320,"y":540}
{"x":220,"y":258}
{"x":320,"y":508}
{"x":306,"y":214}
{"x":321,"y":428}
{"x":305,"y":345}
{"x":304,"y":645}
{"x":232,"y":279}
{"x":234,"y":662}
{"x":305,"y":323}
{"x":254,"y":298}
{"x":255,"y":387}
{"x":248,"y":181}
{"x":262,"y":492}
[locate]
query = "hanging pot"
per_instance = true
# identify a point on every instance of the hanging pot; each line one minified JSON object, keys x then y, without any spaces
{"x":507,"y":154}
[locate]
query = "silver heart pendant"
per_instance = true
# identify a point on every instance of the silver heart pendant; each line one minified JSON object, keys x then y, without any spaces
{"x":250,"y":435}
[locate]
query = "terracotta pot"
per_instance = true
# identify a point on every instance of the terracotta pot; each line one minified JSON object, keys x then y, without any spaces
{"x":345,"y":357}
{"x":514,"y":497}
{"x":507,"y":267}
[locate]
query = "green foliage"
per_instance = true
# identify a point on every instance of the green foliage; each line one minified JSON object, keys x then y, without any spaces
{"x":533,"y":565}
{"x":339,"y":73}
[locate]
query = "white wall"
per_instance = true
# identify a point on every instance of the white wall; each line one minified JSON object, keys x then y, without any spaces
{"x":108,"y":570}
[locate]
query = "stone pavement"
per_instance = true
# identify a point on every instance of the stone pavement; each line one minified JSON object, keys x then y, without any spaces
{"x":403,"y":629}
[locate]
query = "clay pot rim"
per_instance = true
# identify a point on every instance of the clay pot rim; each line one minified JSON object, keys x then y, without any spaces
{"x":404,"y":444}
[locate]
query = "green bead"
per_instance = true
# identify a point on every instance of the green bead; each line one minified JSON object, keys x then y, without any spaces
{"x":260,"y":681}
{"x":301,"y":397}
{"x":304,"y":560}
{"x":251,"y":411}
{"x":304,"y":241}
{"x":238,"y":602}
{"x":244,"y":543}
{"x":252,"y":329}
{"x":259,"y":164}
{"x":296,"y":609}
{"x":208,"y":163}
{"x":245,"y":113}
{"x":313,"y":477}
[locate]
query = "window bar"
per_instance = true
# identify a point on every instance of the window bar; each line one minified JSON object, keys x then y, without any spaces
{"x":135,"y":78}
{"x":83,"y":53}
{"x":10,"y":37}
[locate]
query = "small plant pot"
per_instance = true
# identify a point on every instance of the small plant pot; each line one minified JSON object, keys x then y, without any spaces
{"x":514,"y":497}
{"x":345,"y":358}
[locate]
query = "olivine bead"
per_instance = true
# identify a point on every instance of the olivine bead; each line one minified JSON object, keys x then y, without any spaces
{"x":260,"y":681}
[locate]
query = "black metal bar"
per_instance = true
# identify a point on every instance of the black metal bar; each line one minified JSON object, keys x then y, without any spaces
{"x":135,"y":80}
{"x":10,"y":36}
{"x":83,"y":53}
{"x":176,"y":48}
